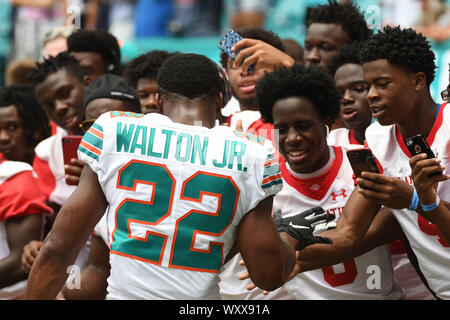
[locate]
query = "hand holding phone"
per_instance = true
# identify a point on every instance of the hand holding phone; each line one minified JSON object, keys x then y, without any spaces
{"x":70,"y":146}
{"x":362,"y":160}
{"x":417,"y":144}
{"x":227,"y":42}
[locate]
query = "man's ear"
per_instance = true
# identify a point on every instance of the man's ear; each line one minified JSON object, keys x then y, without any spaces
{"x":159,"y":99}
{"x":87,"y":80}
{"x":420,"y":81}
{"x":219,"y":103}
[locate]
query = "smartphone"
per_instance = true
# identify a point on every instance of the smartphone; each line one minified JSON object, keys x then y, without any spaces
{"x":417,"y":144}
{"x":70,"y":146}
{"x":362,"y":160}
{"x":227,"y":42}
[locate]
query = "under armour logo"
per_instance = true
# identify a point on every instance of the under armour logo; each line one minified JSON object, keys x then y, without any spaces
{"x":343,"y":194}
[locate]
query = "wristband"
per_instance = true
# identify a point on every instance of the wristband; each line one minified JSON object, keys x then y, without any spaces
{"x":414,"y":201}
{"x":432,"y":206}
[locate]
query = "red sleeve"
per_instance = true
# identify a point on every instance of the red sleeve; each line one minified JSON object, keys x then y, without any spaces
{"x":46,"y":179}
{"x":20,"y":196}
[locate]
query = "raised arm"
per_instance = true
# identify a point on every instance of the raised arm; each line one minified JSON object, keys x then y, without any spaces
{"x":71,"y":229}
{"x":19,"y":231}
{"x":266,"y":57}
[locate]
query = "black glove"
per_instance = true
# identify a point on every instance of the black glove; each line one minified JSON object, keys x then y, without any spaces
{"x":302,"y":226}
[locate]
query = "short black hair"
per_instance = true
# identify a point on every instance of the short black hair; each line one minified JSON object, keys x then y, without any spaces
{"x":345,"y":14}
{"x":36,"y":124}
{"x":403,"y":48}
{"x":348,"y":53}
{"x":189,"y":75}
{"x":97,"y":41}
{"x":53,"y":64}
{"x":145,"y":66}
{"x":257,"y":33}
{"x":312,"y":83}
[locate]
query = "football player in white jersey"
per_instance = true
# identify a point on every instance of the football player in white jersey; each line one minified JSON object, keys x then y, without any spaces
{"x":348,"y":74}
{"x":179,"y":197}
{"x":318,"y":175}
{"x":399,"y":67}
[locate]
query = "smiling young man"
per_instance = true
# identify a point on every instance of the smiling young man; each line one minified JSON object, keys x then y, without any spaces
{"x":300,"y":102}
{"x":399,"y":67}
{"x":59,"y":84}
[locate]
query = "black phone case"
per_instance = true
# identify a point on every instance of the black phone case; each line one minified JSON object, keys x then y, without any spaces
{"x":362,"y":160}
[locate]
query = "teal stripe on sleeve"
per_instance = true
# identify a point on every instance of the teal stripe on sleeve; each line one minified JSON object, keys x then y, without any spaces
{"x":271,"y":170}
{"x":93,"y":140}
{"x":88,"y":153}
{"x":95,"y":125}
{"x":272,"y":183}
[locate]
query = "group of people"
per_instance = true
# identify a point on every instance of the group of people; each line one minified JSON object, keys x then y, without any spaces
{"x":169,"y":199}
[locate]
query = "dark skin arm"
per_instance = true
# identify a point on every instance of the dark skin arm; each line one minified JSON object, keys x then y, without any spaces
{"x":94,"y":277}
{"x":19,"y":231}
{"x":269,"y":256}
{"x":72,"y":227}
{"x":266,"y":57}
{"x":382,"y":230}
{"x":426,"y":190}
{"x":353,"y":224}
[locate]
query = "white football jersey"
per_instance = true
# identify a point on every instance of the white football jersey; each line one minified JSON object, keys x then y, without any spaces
{"x":368,"y":276}
{"x":341,"y":137}
{"x":430,"y":247}
{"x":176,"y":196}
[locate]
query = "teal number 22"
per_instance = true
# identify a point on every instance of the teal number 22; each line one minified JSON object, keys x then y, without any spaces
{"x":150,"y":248}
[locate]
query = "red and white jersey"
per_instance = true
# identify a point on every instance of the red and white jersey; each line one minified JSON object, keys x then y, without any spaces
{"x":431,"y":249}
{"x":368,"y":276}
{"x":342,"y":137}
{"x":49,"y":166}
{"x":19,"y":196}
{"x":176,"y":196}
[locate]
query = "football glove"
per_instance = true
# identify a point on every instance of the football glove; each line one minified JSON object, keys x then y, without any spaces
{"x":305,"y":225}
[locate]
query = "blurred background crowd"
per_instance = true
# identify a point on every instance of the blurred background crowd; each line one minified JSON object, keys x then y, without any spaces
{"x":190,"y":25}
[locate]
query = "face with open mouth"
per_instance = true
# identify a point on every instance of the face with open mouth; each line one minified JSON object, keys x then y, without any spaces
{"x":391,"y":91}
{"x":302,"y":134}
{"x":355,"y":111}
{"x":243,"y":86}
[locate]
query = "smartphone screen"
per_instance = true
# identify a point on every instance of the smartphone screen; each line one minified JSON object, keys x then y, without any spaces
{"x":362,"y":160}
{"x":70,"y":146}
